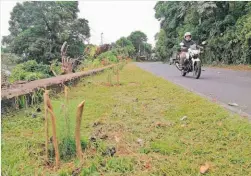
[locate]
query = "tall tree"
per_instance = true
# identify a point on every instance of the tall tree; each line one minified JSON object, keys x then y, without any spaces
{"x":138,"y":39}
{"x":161,"y":46}
{"x":125,"y":46}
{"x":38,"y":29}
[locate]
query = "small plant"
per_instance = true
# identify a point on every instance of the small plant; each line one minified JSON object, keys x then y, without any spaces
{"x":92,"y":170}
{"x":116,"y":72}
{"x":109,"y":78}
{"x":96,"y":63}
{"x":21,"y":102}
{"x":37,"y":96}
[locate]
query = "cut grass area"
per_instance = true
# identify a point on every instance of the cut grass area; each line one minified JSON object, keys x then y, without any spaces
{"x":233,"y":67}
{"x":141,"y":118}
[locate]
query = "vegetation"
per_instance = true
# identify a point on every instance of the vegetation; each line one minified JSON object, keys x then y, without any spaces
{"x":30,"y":71}
{"x":125,"y":47}
{"x":139,"y":40}
{"x":225,"y":25}
{"x":38,"y":29}
{"x":174,"y":144}
{"x":161,"y":45}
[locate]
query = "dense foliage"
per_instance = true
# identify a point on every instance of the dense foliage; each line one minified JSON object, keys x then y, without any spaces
{"x":30,"y":71}
{"x":139,"y":41}
{"x":226,"y":26}
{"x":38,"y":29}
{"x":125,"y":47}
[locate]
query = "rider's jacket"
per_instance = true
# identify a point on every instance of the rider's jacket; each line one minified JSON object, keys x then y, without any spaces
{"x":188,"y":43}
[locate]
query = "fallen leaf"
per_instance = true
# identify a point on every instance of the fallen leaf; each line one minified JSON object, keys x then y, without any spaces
{"x":204,"y":168}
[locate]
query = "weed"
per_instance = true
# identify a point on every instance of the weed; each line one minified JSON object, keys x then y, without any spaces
{"x":37,"y":97}
{"x":67,"y":149}
{"x":92,"y":170}
{"x":109,"y":78}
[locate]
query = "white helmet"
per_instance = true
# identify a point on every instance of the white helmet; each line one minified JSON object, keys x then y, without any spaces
{"x":186,"y":34}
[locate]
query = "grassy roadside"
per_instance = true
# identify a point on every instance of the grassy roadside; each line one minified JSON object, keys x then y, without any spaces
{"x":232,"y":67}
{"x":141,"y":118}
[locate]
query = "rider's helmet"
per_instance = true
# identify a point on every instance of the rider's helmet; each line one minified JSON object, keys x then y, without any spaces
{"x":188,"y":34}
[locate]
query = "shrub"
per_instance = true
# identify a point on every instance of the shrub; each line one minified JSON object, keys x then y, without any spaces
{"x":109,"y":55}
{"x":96,"y":62}
{"x":30,"y":71}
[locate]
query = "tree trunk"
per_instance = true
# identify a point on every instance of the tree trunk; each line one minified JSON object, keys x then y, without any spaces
{"x":54,"y":134}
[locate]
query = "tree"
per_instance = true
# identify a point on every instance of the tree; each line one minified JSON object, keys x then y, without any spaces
{"x":147,"y":48}
{"x":123,"y":42}
{"x":161,"y":45}
{"x":138,"y":38}
{"x":38,"y":29}
{"x":125,"y":46}
{"x":220,"y":23}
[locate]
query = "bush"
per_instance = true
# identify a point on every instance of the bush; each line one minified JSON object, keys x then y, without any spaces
{"x":30,"y":71}
{"x":35,"y":76}
{"x":56,"y":67}
{"x":109,"y":55}
{"x":96,"y":62}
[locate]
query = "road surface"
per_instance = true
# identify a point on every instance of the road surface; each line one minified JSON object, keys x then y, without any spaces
{"x":226,"y":86}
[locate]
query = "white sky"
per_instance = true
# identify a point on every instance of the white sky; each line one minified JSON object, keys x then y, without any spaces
{"x":114,"y":18}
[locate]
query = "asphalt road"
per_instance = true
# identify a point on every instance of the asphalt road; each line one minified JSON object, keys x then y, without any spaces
{"x":225,"y":86}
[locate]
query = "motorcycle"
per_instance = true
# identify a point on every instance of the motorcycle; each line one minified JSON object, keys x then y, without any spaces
{"x":192,"y":62}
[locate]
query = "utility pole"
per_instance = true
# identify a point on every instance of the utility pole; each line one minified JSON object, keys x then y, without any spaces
{"x":102,"y":38}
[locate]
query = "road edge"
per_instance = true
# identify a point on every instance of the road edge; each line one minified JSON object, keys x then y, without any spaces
{"x":227,"y":107}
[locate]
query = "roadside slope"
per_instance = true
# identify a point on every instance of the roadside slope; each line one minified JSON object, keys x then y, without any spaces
{"x":144,"y":119}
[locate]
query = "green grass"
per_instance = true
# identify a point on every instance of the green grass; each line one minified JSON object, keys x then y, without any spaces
{"x":142,"y":107}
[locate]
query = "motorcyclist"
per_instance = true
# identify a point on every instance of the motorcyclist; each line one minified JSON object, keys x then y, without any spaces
{"x":187,"y":43}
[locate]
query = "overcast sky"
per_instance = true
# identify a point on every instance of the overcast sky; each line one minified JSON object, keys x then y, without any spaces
{"x":113,"y":18}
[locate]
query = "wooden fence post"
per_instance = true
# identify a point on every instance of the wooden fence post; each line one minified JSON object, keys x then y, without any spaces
{"x":77,"y":130}
{"x":46,"y":125}
{"x":54,"y":134}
